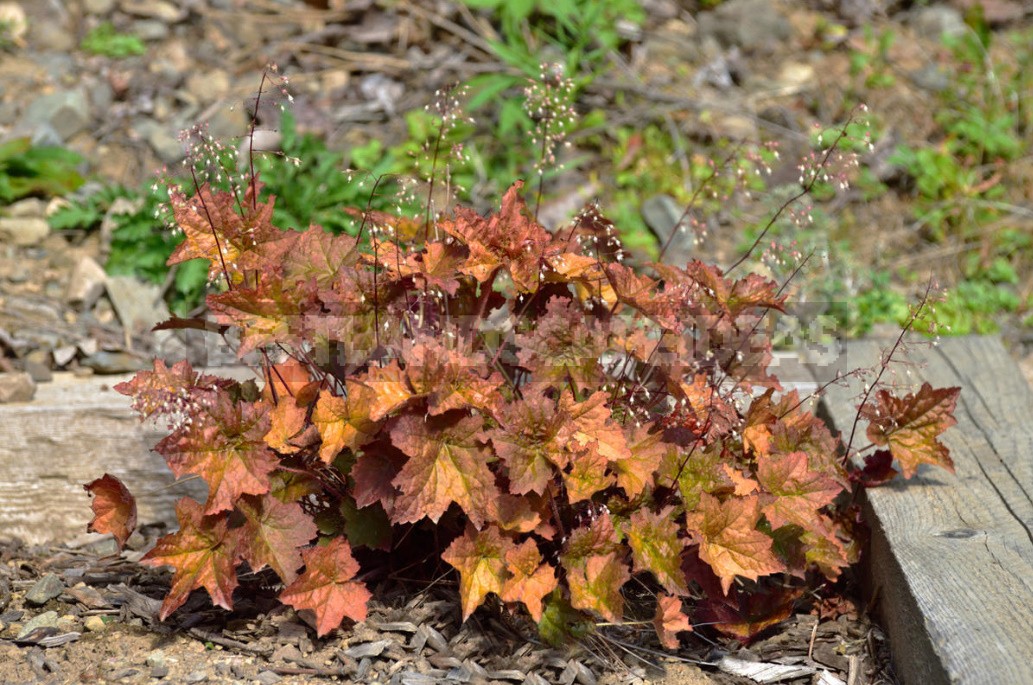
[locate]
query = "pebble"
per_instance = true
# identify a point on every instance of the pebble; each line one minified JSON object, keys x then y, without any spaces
{"x":99,"y":7}
{"x":23,"y":230}
{"x":267,"y":678}
{"x":151,"y":30}
{"x":753,"y":25}
{"x":95,"y":624}
{"x":45,"y":589}
{"x":48,"y":619}
{"x":155,"y":658}
{"x":66,"y":111}
{"x":154,"y":9}
{"x":16,"y":387}
{"x":195,"y":677}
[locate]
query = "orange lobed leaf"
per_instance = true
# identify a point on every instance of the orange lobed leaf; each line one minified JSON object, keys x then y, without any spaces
{"x":480,"y":558}
{"x":383,"y":389}
{"x":796,"y":491}
{"x":447,"y":463}
{"x":114,"y":508}
{"x":587,"y":474}
{"x":450,"y":377}
{"x":593,"y":561}
{"x":527,"y":440}
{"x":591,"y":421}
{"x":911,"y":426}
{"x":343,"y":422}
{"x":273,"y":534}
{"x":657,"y":548}
{"x":326,"y":586}
{"x":670,"y":620}
{"x":530,"y":580}
{"x":729,"y":540}
{"x":203,"y":553}
{"x":646,"y":452}
{"x":227,"y":449}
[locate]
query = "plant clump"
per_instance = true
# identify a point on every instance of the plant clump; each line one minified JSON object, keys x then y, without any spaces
{"x":519,"y":403}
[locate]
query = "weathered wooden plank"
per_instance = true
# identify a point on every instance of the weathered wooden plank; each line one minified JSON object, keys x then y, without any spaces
{"x":951,"y":558}
{"x":73,"y":431}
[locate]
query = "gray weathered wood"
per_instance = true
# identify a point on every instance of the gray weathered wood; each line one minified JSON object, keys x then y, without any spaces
{"x":73,"y":431}
{"x":951,"y":558}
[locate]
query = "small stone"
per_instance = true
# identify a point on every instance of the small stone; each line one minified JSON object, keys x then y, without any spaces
{"x":30,"y":206}
{"x":267,"y":678}
{"x":159,"y":672}
{"x":753,"y":25}
{"x":37,"y":365}
{"x":95,"y":624}
{"x":86,"y":283}
{"x":150,"y":30}
{"x":162,"y":140}
{"x":48,"y":619}
{"x":46,"y":588}
{"x":139,"y":305}
{"x":937,"y":21}
{"x":99,"y":6}
{"x":16,"y":387}
{"x":155,"y":658}
{"x":154,"y":9}
{"x":367,"y":649}
{"x":23,"y":230}
{"x":66,"y":111}
{"x":113,"y":362}
{"x":198,"y":676}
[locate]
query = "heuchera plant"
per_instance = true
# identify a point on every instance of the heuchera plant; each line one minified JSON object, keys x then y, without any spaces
{"x":560,"y":423}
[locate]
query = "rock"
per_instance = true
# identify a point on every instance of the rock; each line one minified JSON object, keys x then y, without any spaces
{"x":208,"y":86}
{"x":64,"y":354}
{"x":155,"y":658}
{"x":661,"y":213}
{"x":14,"y":23}
{"x":29,"y":207}
{"x":937,"y":21}
{"x":367,"y":649}
{"x":95,"y":624}
{"x":159,"y":672}
{"x":48,"y":619}
{"x":16,"y":387}
{"x":23,"y":230}
{"x":150,"y":30}
{"x":100,"y":7}
{"x":931,"y":77}
{"x":197,"y":676}
{"x":46,"y":588}
{"x":154,"y":9}
{"x":113,"y":362}
{"x":37,"y":365}
{"x":267,"y":678}
{"x":753,"y":25}
{"x":86,"y":284}
{"x":53,"y":35}
{"x":162,"y":140}
{"x":138,"y":305}
{"x":67,"y":112}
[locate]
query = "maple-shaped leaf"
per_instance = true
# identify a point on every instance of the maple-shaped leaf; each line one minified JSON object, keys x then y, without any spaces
{"x":343,"y":423}
{"x":797,"y":492}
{"x":511,"y":239}
{"x":760,"y":417}
{"x":646,"y":453}
{"x":670,"y":620}
{"x":265,"y":315}
{"x":480,"y":558}
{"x":587,"y":474}
{"x":114,"y":508}
{"x":878,"y":469}
{"x":450,"y":377}
{"x":520,"y":513}
{"x":641,"y":293}
{"x":527,"y":440}
{"x":239,"y":235}
{"x":327,"y":588}
{"x":170,"y":390}
{"x":729,"y":540}
{"x":366,"y":527}
{"x":530,"y":579}
{"x":434,"y":269}
{"x":286,"y":422}
{"x":911,"y":426}
{"x":385,"y":389}
{"x":740,"y":613}
{"x":656,"y":547}
{"x":318,"y":255}
{"x":595,"y":584}
{"x":374,"y":473}
{"x":695,"y":471}
{"x":591,"y":421}
{"x":227,"y":449}
{"x":203,"y":553}
{"x":447,"y":463}
{"x":563,"y":344}
{"x":593,"y":561}
{"x":273,"y":534}
{"x":797,"y":430}
{"x":704,"y":411}
{"x":291,"y":486}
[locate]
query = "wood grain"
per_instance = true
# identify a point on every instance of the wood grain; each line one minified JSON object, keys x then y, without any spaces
{"x":72,"y":432}
{"x":951,"y":558}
